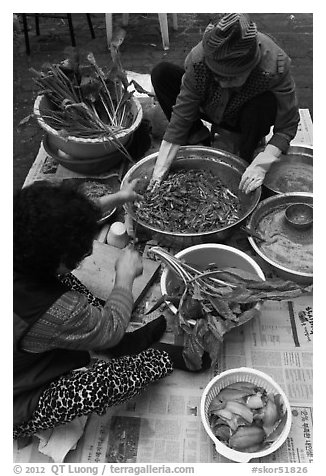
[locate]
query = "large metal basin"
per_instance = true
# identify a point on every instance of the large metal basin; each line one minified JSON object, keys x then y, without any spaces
{"x":266,"y":207}
{"x":227,"y":167}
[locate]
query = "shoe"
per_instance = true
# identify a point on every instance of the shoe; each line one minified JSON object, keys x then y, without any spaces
{"x":140,"y":339}
{"x":176,"y":355}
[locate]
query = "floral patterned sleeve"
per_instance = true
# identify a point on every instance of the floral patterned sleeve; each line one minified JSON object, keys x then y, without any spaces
{"x":72,"y":323}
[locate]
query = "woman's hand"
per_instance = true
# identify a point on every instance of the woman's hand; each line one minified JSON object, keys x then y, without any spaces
{"x":128,"y":192}
{"x":128,"y":266}
{"x":254,"y":175}
{"x":252,"y":178}
{"x":163,"y":163}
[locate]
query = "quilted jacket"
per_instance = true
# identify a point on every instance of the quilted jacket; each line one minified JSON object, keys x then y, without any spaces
{"x":201,"y":94}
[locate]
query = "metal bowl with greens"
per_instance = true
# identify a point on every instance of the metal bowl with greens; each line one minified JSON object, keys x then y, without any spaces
{"x":203,"y":189}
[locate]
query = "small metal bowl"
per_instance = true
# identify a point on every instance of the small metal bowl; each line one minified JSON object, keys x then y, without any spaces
{"x":111,"y":179}
{"x":299,"y":215}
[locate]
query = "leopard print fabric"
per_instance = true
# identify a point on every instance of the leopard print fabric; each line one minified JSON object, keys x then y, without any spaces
{"x":73,"y":284}
{"x":93,"y":389}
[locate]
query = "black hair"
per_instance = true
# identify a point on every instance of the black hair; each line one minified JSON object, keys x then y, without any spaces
{"x":52,"y":224}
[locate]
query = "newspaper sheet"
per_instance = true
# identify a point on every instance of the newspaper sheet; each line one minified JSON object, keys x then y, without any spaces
{"x":164,"y":423}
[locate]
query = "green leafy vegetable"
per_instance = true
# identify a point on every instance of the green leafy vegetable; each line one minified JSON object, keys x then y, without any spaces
{"x":218,"y":300}
{"x":188,"y":201}
{"x":86,"y":101}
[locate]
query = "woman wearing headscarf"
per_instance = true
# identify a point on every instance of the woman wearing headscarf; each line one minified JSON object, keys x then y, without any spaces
{"x":239,"y":80}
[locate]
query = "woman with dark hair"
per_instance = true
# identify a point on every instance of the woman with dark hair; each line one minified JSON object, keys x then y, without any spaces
{"x":57,"y":321}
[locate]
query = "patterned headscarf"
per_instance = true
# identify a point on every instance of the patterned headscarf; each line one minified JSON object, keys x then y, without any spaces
{"x":230,"y":46}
